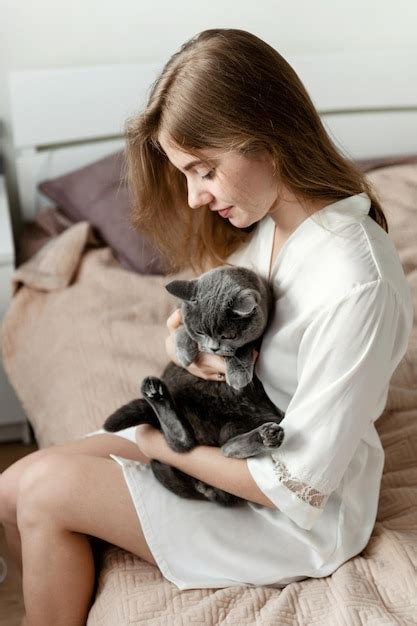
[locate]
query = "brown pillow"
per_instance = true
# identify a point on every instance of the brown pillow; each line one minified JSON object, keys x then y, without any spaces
{"x":96,"y":194}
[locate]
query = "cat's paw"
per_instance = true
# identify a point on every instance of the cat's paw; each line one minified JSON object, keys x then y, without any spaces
{"x":185,"y":357}
{"x":238,"y":378}
{"x":272,"y":435}
{"x":186,"y":349}
{"x":153,"y":388}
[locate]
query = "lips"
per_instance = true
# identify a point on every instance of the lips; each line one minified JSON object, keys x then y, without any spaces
{"x":218,"y":210}
{"x":225,"y":212}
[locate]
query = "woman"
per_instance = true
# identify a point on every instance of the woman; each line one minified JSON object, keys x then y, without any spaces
{"x":230,"y":132}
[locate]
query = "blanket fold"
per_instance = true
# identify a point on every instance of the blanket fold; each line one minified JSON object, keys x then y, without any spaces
{"x":54,"y":265}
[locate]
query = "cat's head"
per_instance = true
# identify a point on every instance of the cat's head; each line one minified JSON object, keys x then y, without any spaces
{"x":224,"y":309}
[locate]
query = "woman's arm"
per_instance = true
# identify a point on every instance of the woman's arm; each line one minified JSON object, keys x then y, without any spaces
{"x":207,"y":463}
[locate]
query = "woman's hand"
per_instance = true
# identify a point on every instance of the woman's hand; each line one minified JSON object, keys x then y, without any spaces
{"x":207,"y":366}
{"x":149,"y":440}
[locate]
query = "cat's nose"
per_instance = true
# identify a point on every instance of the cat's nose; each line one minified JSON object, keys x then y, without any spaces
{"x":213,"y":345}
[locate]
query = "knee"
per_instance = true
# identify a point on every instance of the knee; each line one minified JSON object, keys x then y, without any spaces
{"x":41,"y":489}
{"x":7,"y":498}
{"x":9,"y":485}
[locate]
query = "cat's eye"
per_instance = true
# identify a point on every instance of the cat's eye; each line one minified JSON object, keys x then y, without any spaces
{"x":193,"y":300}
{"x":229,"y":336}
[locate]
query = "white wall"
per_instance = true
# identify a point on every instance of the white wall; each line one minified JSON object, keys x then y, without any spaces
{"x":59,"y":33}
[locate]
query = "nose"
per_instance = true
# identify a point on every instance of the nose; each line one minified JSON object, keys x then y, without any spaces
{"x":213,"y":345}
{"x":198,"y":197}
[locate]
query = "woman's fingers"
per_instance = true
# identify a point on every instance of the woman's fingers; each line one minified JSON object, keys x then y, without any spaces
{"x":174,"y":321}
{"x":170,"y":348}
{"x":201,"y":373}
{"x":208,"y":366}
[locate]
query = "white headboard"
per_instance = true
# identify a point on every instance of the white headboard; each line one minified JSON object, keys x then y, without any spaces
{"x":65,"y":118}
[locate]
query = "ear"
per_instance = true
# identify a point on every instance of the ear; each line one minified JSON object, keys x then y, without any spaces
{"x":245,"y":303}
{"x":184,"y":289}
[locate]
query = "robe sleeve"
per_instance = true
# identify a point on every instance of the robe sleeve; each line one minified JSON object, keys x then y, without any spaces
{"x":346,"y":357}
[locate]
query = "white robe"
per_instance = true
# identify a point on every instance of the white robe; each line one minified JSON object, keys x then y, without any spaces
{"x":341,"y":325}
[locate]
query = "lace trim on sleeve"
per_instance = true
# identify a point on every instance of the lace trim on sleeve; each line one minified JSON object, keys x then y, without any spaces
{"x":307,"y":494}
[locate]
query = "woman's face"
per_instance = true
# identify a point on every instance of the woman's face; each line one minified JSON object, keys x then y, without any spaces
{"x":227,"y":179}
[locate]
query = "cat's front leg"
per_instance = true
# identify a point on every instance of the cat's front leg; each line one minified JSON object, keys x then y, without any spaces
{"x":239,"y":368}
{"x":186,"y":348}
{"x":261,"y":439}
{"x":177,"y":431}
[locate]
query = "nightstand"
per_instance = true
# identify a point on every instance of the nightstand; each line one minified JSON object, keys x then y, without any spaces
{"x":13,"y":422}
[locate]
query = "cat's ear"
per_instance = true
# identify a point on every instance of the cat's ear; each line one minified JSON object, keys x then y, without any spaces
{"x":184,"y":289}
{"x":245,"y":303}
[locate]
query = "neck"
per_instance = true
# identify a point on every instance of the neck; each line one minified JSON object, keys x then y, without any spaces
{"x":288,"y":212}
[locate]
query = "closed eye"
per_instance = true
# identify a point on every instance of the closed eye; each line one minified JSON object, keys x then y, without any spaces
{"x":209,"y":175}
{"x":229,"y":336}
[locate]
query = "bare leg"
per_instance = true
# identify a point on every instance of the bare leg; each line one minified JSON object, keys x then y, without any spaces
{"x":12,"y":535}
{"x":98,"y":445}
{"x":67,"y":558}
{"x":62,"y":499}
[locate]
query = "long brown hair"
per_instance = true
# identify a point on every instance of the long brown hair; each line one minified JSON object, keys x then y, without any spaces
{"x":227,"y":89}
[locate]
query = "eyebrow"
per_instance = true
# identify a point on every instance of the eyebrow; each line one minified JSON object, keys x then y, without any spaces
{"x":192,"y":163}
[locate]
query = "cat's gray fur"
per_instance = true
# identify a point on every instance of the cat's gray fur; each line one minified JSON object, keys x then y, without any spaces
{"x":225,"y":311}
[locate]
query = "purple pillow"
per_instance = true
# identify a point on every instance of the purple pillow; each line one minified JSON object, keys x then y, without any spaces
{"x":95,"y":193}
{"x":376,"y":163}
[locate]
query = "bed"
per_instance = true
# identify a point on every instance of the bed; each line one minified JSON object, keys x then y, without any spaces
{"x":102,"y":314}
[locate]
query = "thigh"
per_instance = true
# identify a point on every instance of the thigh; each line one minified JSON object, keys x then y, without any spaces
{"x":97,"y":445}
{"x":83,"y":494}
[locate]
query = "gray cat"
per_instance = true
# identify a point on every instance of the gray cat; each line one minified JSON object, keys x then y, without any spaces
{"x":224,"y":311}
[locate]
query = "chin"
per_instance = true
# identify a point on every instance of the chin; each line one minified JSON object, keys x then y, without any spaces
{"x":241,"y":222}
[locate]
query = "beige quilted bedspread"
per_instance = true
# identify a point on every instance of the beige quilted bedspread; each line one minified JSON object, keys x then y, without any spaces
{"x":104,"y":329}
